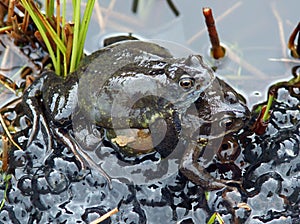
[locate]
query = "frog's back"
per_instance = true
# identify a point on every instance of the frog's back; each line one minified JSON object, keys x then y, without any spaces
{"x":113,"y":57}
{"x":100,"y":66}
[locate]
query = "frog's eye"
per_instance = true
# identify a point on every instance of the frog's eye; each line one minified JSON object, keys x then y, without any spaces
{"x":186,"y":82}
{"x":226,"y":123}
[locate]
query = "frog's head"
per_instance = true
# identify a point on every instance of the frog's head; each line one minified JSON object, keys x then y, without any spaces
{"x":220,"y":111}
{"x":189,"y":78}
{"x":179,"y":81}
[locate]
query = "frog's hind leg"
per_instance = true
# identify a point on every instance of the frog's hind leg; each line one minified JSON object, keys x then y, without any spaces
{"x":79,"y":153}
{"x":192,"y":170}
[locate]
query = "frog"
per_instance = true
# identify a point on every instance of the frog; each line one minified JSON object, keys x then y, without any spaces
{"x":138,"y":85}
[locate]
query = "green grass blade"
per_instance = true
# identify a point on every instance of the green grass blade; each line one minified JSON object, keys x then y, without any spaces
{"x":49,"y":4}
{"x":63,"y":24}
{"x":58,"y":32}
{"x":84,"y":26}
{"x":73,"y":64}
{"x":35,"y":12}
{"x":42,"y":30}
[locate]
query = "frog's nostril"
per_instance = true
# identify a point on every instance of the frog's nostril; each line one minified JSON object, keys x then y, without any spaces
{"x":231,"y":97}
{"x":225,"y":146}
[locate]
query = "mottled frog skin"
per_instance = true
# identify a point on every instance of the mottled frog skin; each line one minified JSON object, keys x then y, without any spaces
{"x":140,"y":85}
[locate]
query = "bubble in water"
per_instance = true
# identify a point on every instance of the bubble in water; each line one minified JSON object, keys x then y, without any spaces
{"x":57,"y":181}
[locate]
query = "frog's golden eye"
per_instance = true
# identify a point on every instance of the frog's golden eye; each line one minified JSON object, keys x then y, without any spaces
{"x":226,"y":123}
{"x":186,"y":82}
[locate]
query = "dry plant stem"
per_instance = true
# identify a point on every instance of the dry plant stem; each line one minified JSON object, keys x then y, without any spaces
{"x":15,"y":25}
{"x":288,"y":60}
{"x":218,"y":19}
{"x":26,"y":72}
{"x":5,"y":147}
{"x":8,"y":83}
{"x":119,"y":17}
{"x":105,"y":216}
{"x":281,"y":31}
{"x":3,"y":11}
{"x":10,"y":12}
{"x":134,"y":6}
{"x":4,"y":3}
{"x":173,"y":7}
{"x":39,"y":38}
{"x":25,"y":22}
{"x":9,"y":105}
{"x":291,"y":43}
{"x":217,"y":50}
{"x":99,"y":15}
{"x":8,"y":133}
{"x":18,"y":34}
{"x":68,"y":32}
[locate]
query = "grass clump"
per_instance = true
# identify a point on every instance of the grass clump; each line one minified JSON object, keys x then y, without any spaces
{"x":64,"y":40}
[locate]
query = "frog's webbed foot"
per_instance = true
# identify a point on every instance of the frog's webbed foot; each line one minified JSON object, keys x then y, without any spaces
{"x":84,"y":159}
{"x":192,"y":170}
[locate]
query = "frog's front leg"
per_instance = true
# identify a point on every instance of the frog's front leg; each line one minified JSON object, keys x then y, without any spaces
{"x":31,"y":106}
{"x":192,"y":170}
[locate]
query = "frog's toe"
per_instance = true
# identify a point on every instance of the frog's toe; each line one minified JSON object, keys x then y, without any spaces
{"x":232,"y":184}
{"x":39,"y":122}
{"x":215,"y":185}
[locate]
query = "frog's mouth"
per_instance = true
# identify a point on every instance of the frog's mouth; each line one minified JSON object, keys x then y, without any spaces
{"x":220,"y":128}
{"x":187,"y":100}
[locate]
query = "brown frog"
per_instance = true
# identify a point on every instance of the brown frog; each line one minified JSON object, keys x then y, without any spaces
{"x":142,"y":86}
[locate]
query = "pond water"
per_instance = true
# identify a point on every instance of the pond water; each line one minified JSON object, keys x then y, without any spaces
{"x":50,"y":187}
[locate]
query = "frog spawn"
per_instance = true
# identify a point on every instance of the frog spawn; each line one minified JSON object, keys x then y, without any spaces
{"x":274,"y":157}
{"x":268,"y":178}
{"x":60,"y":192}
